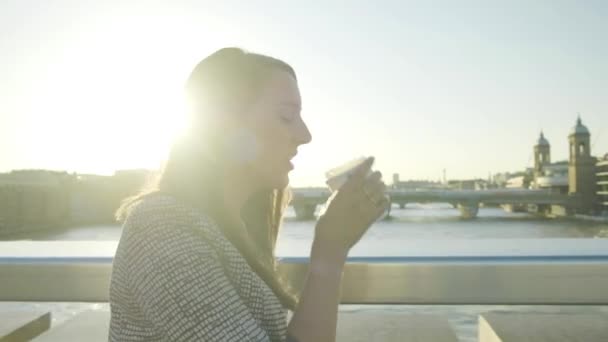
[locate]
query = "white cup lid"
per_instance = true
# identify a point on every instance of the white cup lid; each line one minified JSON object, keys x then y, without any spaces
{"x":337,"y":176}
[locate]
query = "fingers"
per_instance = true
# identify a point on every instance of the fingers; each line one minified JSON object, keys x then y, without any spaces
{"x":374,"y":177}
{"x":382,"y":204}
{"x":373,"y":186}
{"x":374,"y":183}
{"x":374,"y":191}
{"x":365,"y":192}
{"x":370,"y":210}
{"x":378,"y":199}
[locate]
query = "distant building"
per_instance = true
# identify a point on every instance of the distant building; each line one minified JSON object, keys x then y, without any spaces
{"x":414,"y":184}
{"x":547,"y":175}
{"x":520,"y":180}
{"x":468,"y":184}
{"x":500,"y":179}
{"x":602,"y":185}
{"x":542,"y":155}
{"x":581,"y":169}
{"x":576,"y":177}
{"x":554,"y":177}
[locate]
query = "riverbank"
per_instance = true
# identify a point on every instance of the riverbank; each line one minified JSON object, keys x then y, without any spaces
{"x":601,"y":219}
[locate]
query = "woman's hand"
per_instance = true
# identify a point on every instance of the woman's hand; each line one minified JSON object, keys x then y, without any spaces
{"x":353,"y":209}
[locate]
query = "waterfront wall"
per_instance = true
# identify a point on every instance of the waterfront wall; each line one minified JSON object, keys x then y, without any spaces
{"x":30,"y":202}
{"x":95,"y":199}
{"x":33,"y":200}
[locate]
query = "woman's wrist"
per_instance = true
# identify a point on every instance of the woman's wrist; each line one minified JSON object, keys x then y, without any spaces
{"x":327,"y":260}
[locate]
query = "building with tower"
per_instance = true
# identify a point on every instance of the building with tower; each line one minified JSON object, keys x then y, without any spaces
{"x":581,"y":176}
{"x":601,"y":173}
{"x":581,"y":169}
{"x":547,"y":175}
{"x":542,"y":154}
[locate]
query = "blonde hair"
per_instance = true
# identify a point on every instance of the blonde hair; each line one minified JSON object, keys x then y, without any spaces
{"x":225,"y":81}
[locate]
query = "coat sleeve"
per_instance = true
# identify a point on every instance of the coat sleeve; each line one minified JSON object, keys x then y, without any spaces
{"x":182,"y":288}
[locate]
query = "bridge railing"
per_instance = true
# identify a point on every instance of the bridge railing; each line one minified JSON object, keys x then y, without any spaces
{"x":39,"y":272}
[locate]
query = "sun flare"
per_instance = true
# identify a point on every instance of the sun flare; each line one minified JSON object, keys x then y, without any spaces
{"x":98,"y":111}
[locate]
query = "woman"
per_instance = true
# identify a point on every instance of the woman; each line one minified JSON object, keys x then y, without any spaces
{"x":196,"y":261}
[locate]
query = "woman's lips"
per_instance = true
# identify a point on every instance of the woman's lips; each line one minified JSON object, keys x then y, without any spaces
{"x":289,"y":162}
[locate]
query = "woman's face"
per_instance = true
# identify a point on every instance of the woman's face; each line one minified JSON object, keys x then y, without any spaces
{"x":276,"y":129}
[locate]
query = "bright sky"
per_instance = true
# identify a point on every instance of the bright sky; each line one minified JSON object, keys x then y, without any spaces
{"x":94,"y":86}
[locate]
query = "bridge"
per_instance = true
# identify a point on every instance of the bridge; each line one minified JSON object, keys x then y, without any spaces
{"x":305,"y":200}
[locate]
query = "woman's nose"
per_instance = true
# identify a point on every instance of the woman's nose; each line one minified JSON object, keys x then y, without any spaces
{"x":302,"y":134}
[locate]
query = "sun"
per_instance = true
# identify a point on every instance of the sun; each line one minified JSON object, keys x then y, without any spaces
{"x":111,"y":97}
{"x":95,"y":123}
{"x":97,"y":111}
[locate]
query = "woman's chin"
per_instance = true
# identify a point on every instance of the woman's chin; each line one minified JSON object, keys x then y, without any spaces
{"x":284,"y":182}
{"x":280,"y":181}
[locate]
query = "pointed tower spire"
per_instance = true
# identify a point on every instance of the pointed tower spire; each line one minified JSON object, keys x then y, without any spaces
{"x":542,"y":141}
{"x":579,"y":128}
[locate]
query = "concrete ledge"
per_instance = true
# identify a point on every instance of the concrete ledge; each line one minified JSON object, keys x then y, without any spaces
{"x":524,"y":327}
{"x":392,"y":327}
{"x":93,"y":326}
{"x":90,"y":326}
{"x":23,"y":326}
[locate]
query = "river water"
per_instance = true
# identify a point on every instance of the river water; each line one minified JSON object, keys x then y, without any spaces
{"x":432,"y":221}
{"x":417,"y":222}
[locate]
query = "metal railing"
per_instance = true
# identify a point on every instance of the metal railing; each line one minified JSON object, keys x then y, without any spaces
{"x":27,"y":274}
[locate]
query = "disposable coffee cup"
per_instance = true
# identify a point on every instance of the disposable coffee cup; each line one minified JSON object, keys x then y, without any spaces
{"x":337,"y":177}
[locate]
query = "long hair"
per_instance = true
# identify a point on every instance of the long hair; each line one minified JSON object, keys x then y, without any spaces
{"x":225,"y":82}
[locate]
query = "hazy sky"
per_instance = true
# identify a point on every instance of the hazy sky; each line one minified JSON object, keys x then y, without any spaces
{"x":93,"y":86}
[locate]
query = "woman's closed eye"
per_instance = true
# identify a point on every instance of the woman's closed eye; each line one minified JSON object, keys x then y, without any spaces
{"x":288,"y":117}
